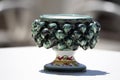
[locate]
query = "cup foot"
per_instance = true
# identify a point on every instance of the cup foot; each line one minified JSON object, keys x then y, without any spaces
{"x":56,"y":68}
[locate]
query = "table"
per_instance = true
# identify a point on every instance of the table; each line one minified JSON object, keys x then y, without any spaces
{"x":26,"y":63}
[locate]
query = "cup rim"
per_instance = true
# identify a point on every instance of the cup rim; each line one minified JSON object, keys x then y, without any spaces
{"x":65,"y":16}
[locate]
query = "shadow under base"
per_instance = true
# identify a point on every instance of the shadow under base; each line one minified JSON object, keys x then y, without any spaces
{"x":55,"y":68}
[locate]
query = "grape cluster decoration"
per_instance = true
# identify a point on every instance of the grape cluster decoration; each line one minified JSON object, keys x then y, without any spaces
{"x":65,"y":35}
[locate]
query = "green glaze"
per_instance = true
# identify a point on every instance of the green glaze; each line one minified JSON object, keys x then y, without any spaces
{"x":52,"y":26}
{"x":60,"y":34}
{"x":64,"y":16}
{"x":45,"y":32}
{"x":76,"y":34}
{"x":65,"y":31}
{"x":67,"y":27}
{"x":82,"y":28}
{"x":61,"y":46}
{"x":69,"y":42}
{"x":47,"y":44}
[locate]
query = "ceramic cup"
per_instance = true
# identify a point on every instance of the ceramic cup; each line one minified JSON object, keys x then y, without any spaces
{"x":65,"y":33}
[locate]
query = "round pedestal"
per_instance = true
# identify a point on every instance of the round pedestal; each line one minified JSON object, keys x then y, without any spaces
{"x":79,"y":68}
{"x":65,"y":62}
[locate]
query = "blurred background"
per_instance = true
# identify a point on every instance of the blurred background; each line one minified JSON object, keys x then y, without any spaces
{"x":16,"y":17}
